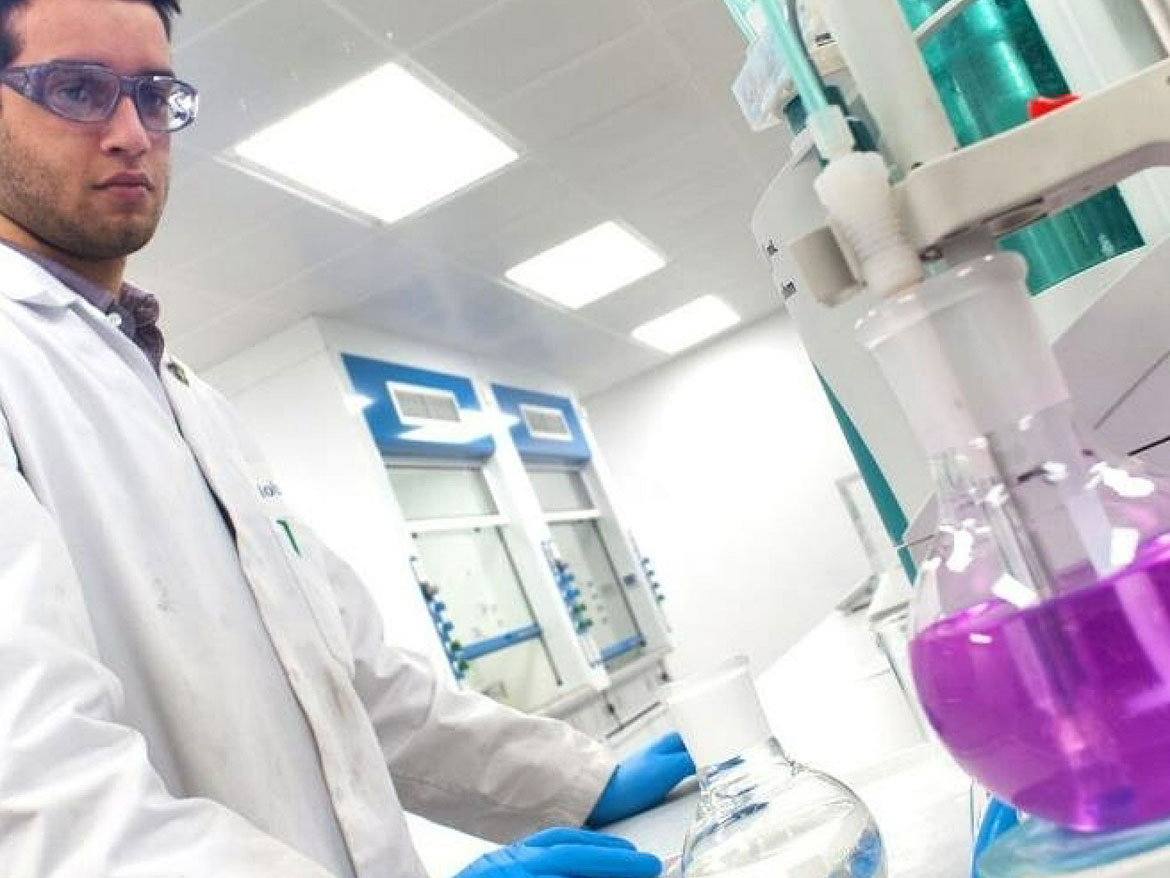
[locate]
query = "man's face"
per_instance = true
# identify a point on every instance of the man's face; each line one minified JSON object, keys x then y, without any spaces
{"x":59,"y":179}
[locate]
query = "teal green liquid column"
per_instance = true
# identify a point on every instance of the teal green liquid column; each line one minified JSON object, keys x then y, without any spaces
{"x":987,"y":64}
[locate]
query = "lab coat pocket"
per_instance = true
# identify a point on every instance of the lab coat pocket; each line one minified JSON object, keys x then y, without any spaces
{"x":314,"y":588}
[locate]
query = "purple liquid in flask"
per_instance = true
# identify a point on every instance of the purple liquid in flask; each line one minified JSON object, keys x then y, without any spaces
{"x":1062,"y":708}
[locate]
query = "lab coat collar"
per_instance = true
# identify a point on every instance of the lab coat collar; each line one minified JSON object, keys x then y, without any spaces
{"x":26,"y":282}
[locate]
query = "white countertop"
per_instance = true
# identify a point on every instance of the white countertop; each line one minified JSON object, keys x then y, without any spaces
{"x":834,"y":705}
{"x":918,"y":797}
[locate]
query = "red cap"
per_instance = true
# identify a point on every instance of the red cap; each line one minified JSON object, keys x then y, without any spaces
{"x":1038,"y":107}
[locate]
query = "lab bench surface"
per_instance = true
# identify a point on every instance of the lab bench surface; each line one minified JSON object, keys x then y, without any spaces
{"x":918,"y":797}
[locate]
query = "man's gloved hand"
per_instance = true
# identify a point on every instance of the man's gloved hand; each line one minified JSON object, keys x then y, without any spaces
{"x":643,"y":780}
{"x":566,"y":853}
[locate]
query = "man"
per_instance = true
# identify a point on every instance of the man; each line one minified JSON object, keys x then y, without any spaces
{"x":191,"y":685}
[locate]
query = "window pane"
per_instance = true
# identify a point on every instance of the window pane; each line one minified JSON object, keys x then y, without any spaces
{"x":428,"y":492}
{"x":519,"y":676}
{"x":560,"y":490}
{"x":473,"y":572}
{"x":581,"y":547}
{"x":476,"y":579}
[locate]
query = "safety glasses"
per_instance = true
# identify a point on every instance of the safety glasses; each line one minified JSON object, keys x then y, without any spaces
{"x":84,"y":92}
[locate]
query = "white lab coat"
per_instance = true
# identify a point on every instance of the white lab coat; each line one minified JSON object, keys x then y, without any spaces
{"x":176,"y":702}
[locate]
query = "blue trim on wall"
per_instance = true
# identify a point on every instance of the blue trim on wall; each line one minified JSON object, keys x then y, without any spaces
{"x":370,"y":377}
{"x":502,"y":641}
{"x":532,"y":448}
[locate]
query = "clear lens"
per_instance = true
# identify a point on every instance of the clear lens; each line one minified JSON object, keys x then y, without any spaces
{"x":165,"y":104}
{"x":84,"y":94}
{"x":183,"y":102}
{"x":89,"y":93}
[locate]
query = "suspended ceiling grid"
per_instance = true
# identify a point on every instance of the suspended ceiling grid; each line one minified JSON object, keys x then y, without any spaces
{"x":620,"y":109}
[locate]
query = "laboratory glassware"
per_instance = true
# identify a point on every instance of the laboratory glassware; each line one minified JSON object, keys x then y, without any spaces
{"x":760,"y":813}
{"x":1041,"y":647}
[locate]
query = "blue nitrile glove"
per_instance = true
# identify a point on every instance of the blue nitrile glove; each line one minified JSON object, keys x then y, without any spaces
{"x":566,"y":853}
{"x":643,"y":780}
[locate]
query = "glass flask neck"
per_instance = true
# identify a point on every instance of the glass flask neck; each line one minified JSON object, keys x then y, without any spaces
{"x":1026,"y":485}
{"x":1043,"y":604}
{"x":761,"y":815}
{"x":1018,"y":451}
{"x":743,"y":773}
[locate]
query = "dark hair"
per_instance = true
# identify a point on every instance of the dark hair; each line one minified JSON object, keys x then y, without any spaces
{"x":10,"y":44}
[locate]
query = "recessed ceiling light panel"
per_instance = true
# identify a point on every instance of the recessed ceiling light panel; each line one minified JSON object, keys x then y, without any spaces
{"x":688,"y":325}
{"x":587,"y":267}
{"x":385,"y":145}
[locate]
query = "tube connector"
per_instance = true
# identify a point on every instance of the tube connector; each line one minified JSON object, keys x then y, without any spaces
{"x":831,"y":133}
{"x":855,"y":189}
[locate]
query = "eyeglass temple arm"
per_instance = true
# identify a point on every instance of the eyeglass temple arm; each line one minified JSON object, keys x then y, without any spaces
{"x":17,"y":79}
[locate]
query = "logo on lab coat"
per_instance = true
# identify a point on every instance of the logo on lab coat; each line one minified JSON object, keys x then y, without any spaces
{"x":269,"y":490}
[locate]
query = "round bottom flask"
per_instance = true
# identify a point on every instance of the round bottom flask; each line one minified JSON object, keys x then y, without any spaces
{"x":1041,"y":651}
{"x":759,"y":813}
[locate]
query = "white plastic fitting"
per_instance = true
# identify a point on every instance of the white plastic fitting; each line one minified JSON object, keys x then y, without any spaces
{"x":831,"y":133}
{"x":718,"y":712}
{"x":965,"y":353}
{"x":855,"y":189}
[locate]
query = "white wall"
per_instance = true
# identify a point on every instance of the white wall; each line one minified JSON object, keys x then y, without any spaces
{"x":725,"y":460}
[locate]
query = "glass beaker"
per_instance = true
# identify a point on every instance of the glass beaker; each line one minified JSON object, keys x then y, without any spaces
{"x":1041,"y":651}
{"x":759,"y":813}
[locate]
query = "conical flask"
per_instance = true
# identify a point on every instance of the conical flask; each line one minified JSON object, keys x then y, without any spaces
{"x":759,"y":813}
{"x":1041,"y":645}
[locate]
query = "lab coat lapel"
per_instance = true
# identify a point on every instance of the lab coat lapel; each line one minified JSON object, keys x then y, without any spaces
{"x":28,"y":283}
{"x":320,"y":681}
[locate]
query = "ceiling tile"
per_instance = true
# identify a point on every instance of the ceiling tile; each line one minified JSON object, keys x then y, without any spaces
{"x":584,"y":92}
{"x":687,"y":175}
{"x":273,"y":58}
{"x":715,"y":199}
{"x":649,"y":297}
{"x":182,"y":309}
{"x":663,"y":6}
{"x":409,"y":22}
{"x":632,"y":140}
{"x":623,"y":110}
{"x":531,"y":38}
{"x":458,"y":225}
{"x":233,"y":331}
{"x":707,"y":38}
{"x":592,"y":358}
{"x":275,"y":252}
{"x":452,"y":307}
{"x":765,"y":151}
{"x":728,"y":266}
{"x":201,"y":17}
{"x":367,"y":271}
{"x":184,"y":159}
{"x":211,"y":205}
{"x":506,"y":221}
{"x":485,"y":320}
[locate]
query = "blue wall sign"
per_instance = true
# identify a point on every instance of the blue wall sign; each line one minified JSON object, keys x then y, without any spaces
{"x":417,"y":413}
{"x":546,"y":427}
